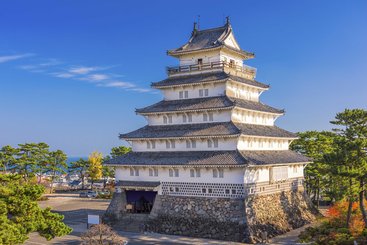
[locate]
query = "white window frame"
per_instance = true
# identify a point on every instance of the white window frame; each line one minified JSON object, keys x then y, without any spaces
{"x":215,"y":173}
{"x":210,"y":117}
{"x":192,"y":173}
{"x":221,"y":173}
{"x":189,"y":117}
{"x":186,"y":94}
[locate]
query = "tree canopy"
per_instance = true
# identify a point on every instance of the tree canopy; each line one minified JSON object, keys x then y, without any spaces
{"x":21,"y":215}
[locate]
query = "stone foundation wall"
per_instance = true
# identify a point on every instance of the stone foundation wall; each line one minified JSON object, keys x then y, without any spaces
{"x":116,"y":207}
{"x":240,"y":220}
{"x":216,"y":218}
{"x":277,"y":213}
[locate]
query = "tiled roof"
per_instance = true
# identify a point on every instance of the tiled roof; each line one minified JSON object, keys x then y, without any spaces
{"x":206,"y":103}
{"x":205,"y":78}
{"x":206,"y":130}
{"x":208,"y":39}
{"x":179,"y":158}
{"x":183,"y":130}
{"x":262,"y":130}
{"x":273,"y":157}
{"x":126,"y":183}
{"x":209,"y":158}
{"x":204,"y":39}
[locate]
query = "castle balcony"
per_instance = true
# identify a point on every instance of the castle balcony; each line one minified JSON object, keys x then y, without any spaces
{"x":244,"y":71}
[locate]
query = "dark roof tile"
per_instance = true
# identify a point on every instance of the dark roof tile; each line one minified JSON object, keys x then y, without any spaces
{"x":219,"y":102}
{"x":209,"y":158}
{"x":179,"y":158}
{"x":273,"y":157}
{"x":206,"y":130}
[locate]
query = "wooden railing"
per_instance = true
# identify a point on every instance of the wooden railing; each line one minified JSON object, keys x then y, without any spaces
{"x":211,"y":66}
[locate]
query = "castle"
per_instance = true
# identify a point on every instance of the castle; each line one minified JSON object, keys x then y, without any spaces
{"x":210,"y":151}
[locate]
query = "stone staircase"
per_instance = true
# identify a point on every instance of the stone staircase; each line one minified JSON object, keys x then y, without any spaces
{"x":131,"y":222}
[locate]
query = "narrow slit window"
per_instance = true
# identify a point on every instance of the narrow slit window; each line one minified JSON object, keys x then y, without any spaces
{"x":220,"y":173}
{"x":190,"y":117}
{"x":215,"y":141}
{"x":192,"y":173}
{"x":210,"y":116}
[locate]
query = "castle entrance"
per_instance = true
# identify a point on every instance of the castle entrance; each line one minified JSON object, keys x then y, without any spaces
{"x":140,"y":201}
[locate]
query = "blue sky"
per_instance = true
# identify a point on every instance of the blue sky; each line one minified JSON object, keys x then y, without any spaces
{"x":73,"y":72}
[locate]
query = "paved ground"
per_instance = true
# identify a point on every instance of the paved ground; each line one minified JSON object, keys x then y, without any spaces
{"x":76,"y":210}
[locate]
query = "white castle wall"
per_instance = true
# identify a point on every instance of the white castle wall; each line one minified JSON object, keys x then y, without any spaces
{"x":252,"y":117}
{"x":216,"y":89}
{"x":237,"y":115}
{"x":192,"y":59}
{"x":256,"y":143}
{"x":230,"y":175}
{"x":243,"y":91}
{"x":256,"y":175}
{"x":213,"y":56}
{"x":295,"y":171}
{"x":225,"y":144}
{"x":197,"y":117}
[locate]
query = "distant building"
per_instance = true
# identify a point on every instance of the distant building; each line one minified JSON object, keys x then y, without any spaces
{"x":210,"y":139}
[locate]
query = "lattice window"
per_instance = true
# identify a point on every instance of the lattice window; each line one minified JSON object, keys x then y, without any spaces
{"x":203,"y":189}
{"x":279,"y":173}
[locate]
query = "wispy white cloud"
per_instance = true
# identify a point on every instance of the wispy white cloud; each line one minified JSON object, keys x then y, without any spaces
{"x":97,"y":77}
{"x":62,"y":74}
{"x":141,"y":90}
{"x":118,"y":84}
{"x":82,"y":70}
{"x":92,"y":74}
{"x":8,"y":58}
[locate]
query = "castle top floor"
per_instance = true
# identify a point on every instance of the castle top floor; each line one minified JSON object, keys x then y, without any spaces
{"x":210,"y":50}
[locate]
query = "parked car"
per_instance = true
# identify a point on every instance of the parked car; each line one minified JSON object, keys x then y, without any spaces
{"x":88,"y":194}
